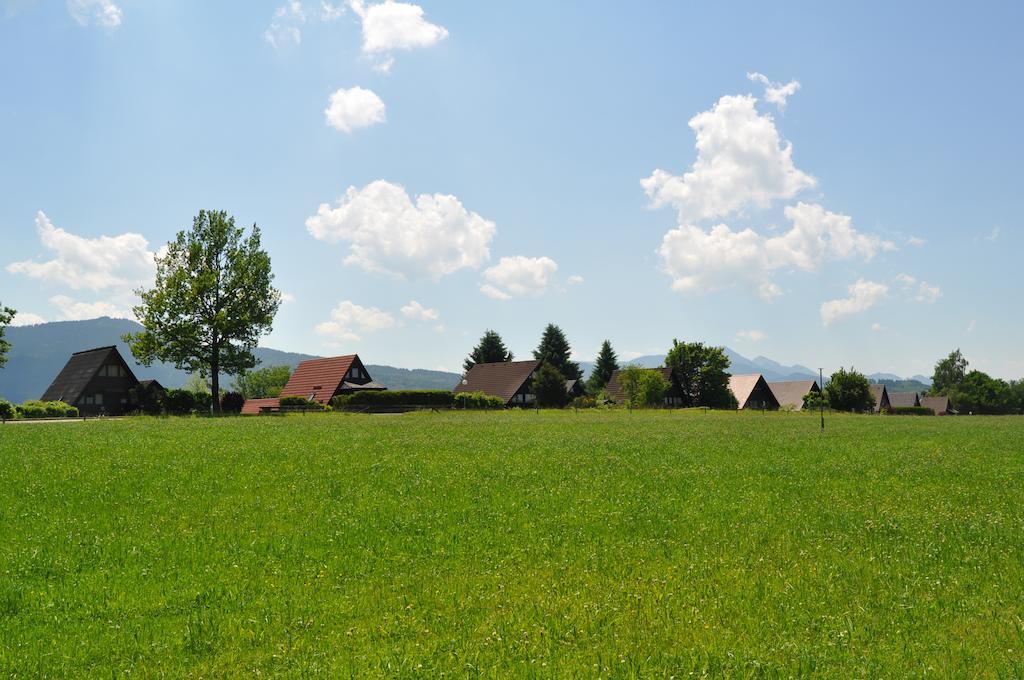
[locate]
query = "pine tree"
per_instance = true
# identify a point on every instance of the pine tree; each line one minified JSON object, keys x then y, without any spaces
{"x":554,"y":349}
{"x":549,"y":387}
{"x":6,"y":316}
{"x":607,"y":363}
{"x":490,"y":350}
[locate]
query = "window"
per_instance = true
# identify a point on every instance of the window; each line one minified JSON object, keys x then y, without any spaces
{"x":99,"y":400}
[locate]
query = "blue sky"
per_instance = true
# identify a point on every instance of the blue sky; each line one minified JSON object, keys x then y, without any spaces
{"x":496,"y":165}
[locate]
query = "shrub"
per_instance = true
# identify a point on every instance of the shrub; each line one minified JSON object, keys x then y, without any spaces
{"x":398,"y":398}
{"x":231,"y":402}
{"x":148,"y":399}
{"x":911,"y":411}
{"x":849,"y":391}
{"x":340,"y":401}
{"x":7,"y":411}
{"x":584,"y":402}
{"x":476,"y":400}
{"x":46,"y":409}
{"x":184,"y":402}
{"x":300,"y":401}
{"x":549,"y":386}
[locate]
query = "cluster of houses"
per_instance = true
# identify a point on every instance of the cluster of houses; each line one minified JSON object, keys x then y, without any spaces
{"x":100,"y":382}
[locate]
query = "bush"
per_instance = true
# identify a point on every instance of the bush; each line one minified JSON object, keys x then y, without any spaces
{"x":549,"y":386}
{"x":584,"y":402}
{"x":911,"y":411}
{"x":476,"y":400}
{"x":231,"y":402}
{"x":148,"y":399}
{"x":185,"y":402}
{"x":300,"y":401}
{"x":849,"y":391}
{"x":46,"y":409}
{"x":399,"y":398}
{"x":7,"y":411}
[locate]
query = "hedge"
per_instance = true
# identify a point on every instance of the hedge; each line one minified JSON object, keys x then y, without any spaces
{"x":912,"y":411}
{"x":394,"y":398}
{"x":185,"y":402}
{"x":46,"y":409}
{"x":476,"y":400}
{"x":300,"y":401}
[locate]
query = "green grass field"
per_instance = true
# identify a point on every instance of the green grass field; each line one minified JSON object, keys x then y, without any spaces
{"x":513,"y":544}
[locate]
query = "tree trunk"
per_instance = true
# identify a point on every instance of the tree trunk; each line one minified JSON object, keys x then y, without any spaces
{"x":215,"y":379}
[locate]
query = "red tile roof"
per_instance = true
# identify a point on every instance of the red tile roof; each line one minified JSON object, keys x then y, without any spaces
{"x":499,"y":379}
{"x":252,"y":407}
{"x":318,"y":379}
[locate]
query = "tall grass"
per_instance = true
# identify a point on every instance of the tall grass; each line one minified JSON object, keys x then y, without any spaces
{"x":513,"y":543}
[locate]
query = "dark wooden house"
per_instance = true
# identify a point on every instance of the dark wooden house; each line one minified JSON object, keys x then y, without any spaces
{"x":940,"y":405}
{"x":752,"y":391}
{"x":904,"y":399}
{"x":511,"y":381}
{"x":881,"y":397}
{"x":673,"y":398}
{"x":320,"y":380}
{"x":96,"y":381}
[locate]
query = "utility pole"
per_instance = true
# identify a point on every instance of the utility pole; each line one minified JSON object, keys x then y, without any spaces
{"x":821,"y":401}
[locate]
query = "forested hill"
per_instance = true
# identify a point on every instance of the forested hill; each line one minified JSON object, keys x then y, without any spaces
{"x":39,"y":352}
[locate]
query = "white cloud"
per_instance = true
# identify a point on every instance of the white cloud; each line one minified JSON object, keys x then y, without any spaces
{"x":775,"y":93}
{"x":741,"y":162}
{"x":389,"y":233}
{"x":27,"y":319}
{"x":287,"y":297}
{"x":418,"y":312}
{"x":699,"y":260}
{"x":329,"y":12}
{"x":863,"y":296}
{"x":285,"y":27}
{"x":517,"y":277}
{"x":994,"y":234}
{"x":972,"y":325}
{"x":876,"y":327}
{"x":916,"y":241}
{"x":920,"y":291}
{"x":348,"y":320}
{"x":390,"y":25}
{"x":95,"y":12}
{"x":574,"y":280}
{"x":75,"y":310}
{"x":750,"y":336}
{"x":354,"y":108}
{"x":107,"y":262}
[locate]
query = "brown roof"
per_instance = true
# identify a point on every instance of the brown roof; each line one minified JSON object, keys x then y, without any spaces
{"x":252,"y":407}
{"x":614,"y":388}
{"x":881,"y":396}
{"x":903,"y":399}
{"x":499,"y":379}
{"x":318,"y":379}
{"x":742,"y":385}
{"x":938,"y":404}
{"x":791,"y":392}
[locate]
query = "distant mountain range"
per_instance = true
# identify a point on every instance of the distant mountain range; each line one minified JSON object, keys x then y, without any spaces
{"x":38,"y":353}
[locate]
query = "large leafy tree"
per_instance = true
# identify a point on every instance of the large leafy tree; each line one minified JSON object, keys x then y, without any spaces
{"x":849,"y":391}
{"x":6,"y":316}
{"x":642,"y":387}
{"x":491,"y":349}
{"x":606,"y":364}
{"x":263,"y":382}
{"x":702,"y":372}
{"x":211,"y":302}
{"x":949,"y":373}
{"x":981,"y":393}
{"x":554,"y":349}
{"x":549,"y":387}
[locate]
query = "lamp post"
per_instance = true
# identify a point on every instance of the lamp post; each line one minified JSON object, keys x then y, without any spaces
{"x":821,"y":400}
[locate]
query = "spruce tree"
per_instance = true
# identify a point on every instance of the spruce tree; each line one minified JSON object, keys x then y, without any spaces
{"x":6,"y":316}
{"x":607,"y":363}
{"x":490,"y":350}
{"x":554,"y":349}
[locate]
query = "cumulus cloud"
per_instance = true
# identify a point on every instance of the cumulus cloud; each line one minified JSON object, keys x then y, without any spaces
{"x":348,"y":320}
{"x":919,"y":291}
{"x":741,"y":162}
{"x":418,"y":312}
{"x":775,"y":93}
{"x":863,"y":295}
{"x":876,"y":327}
{"x":329,"y":12}
{"x":76,"y":310}
{"x":388,"y":232}
{"x":700,"y":260}
{"x":390,"y":25}
{"x":286,"y":25}
{"x":916,"y":241}
{"x":95,"y":13}
{"x":107,"y":262}
{"x":574,"y":280}
{"x":750,"y":336}
{"x":27,"y":319}
{"x":354,"y":108}
{"x":518,"y":277}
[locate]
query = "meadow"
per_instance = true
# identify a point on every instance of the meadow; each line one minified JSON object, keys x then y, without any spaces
{"x":513,"y":544}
